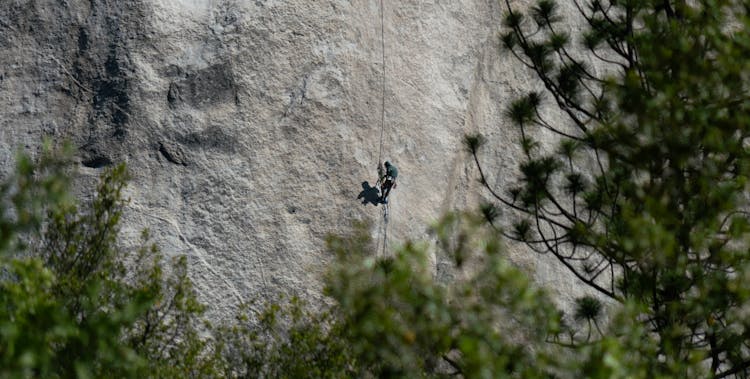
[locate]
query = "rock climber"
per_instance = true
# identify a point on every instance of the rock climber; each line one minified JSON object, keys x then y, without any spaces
{"x":388,"y":180}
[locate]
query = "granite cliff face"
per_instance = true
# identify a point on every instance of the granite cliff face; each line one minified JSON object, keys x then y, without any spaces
{"x":250,"y":127}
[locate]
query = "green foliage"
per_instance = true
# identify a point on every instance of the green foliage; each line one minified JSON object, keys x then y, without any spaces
{"x":71,"y":305}
{"x":401,"y":322}
{"x":588,"y":308}
{"x":473,"y":142}
{"x":287,"y":339}
{"x":645,"y":200}
{"x":31,"y":317}
{"x":75,"y":304}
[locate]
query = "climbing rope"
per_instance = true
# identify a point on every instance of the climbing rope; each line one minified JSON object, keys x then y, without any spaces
{"x":382,"y":97}
{"x":383,"y":230}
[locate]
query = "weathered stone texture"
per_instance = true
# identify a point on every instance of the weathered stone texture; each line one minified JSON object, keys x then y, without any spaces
{"x":249,"y":126}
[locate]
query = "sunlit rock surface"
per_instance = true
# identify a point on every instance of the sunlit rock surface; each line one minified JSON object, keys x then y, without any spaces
{"x":251,"y":127}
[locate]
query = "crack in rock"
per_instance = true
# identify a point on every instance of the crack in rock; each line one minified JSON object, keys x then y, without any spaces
{"x":172,"y":153}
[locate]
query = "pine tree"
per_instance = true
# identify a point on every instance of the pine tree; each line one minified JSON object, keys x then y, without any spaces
{"x":645,"y":200}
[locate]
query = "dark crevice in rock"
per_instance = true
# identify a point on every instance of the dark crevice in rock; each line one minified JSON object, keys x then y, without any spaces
{"x":211,"y":138}
{"x":97,"y":162}
{"x":111,"y":92}
{"x":172,"y":153}
{"x":120,"y":132}
{"x":173,"y":96}
{"x":83,"y":40}
{"x":102,"y":66}
{"x":95,"y":155}
{"x":209,"y":86}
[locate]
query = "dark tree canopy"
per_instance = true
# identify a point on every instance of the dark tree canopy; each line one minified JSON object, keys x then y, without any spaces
{"x":645,"y":200}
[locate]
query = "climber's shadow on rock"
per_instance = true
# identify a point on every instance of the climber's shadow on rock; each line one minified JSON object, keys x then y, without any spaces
{"x":369,"y":194}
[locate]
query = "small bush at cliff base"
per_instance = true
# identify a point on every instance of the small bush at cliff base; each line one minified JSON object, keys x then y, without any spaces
{"x":71,"y":306}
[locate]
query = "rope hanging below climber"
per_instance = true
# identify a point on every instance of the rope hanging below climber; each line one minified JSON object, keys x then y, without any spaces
{"x":386,"y":177}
